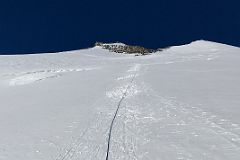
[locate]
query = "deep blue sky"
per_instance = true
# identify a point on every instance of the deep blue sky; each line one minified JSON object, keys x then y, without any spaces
{"x":30,"y":26}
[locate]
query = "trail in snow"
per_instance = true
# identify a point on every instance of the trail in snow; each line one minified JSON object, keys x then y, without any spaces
{"x":30,"y":77}
{"x":161,"y":127}
{"x":135,"y":68}
{"x":147,"y":125}
{"x":93,"y":141}
{"x":179,"y":104}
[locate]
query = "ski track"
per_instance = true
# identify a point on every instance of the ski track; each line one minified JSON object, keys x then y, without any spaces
{"x":172,"y":126}
{"x":92,"y":143}
{"x":125,"y":93}
{"x":133,"y":121}
{"x":166,"y":119}
{"x":174,"y":120}
{"x":152,"y":128}
{"x":31,"y":77}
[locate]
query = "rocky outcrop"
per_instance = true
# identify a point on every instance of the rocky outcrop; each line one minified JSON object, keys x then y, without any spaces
{"x":127,"y":49}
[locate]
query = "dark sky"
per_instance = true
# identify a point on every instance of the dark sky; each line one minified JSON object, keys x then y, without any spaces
{"x":31,"y":26}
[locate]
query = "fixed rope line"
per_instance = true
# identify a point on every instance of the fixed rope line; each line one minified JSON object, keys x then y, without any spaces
{"x":115,"y":115}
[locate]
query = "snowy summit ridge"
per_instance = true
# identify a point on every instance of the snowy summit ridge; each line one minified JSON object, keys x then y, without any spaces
{"x":180,"y":103}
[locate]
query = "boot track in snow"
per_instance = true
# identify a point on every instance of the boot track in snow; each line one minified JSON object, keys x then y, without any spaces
{"x":115,"y":115}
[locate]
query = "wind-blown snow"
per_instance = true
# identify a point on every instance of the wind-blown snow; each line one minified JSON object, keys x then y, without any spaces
{"x":182,"y":103}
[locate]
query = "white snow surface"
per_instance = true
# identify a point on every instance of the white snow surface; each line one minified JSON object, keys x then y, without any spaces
{"x":179,"y":104}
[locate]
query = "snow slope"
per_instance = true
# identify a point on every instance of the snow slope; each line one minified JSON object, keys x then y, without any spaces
{"x":182,"y":103}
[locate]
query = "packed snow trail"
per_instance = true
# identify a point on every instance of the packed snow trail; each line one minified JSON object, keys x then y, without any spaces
{"x":118,"y":107}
